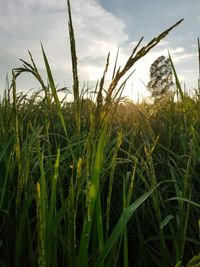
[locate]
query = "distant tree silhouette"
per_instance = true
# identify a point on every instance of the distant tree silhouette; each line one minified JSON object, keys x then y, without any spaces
{"x":161,"y":78}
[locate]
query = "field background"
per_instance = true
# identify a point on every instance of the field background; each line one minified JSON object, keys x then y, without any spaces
{"x":99,"y":181}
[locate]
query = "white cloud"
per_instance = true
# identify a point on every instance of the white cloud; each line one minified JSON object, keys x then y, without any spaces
{"x":178,"y":50}
{"x":179,"y":55}
{"x":137,"y":84}
{"x":97,"y":32}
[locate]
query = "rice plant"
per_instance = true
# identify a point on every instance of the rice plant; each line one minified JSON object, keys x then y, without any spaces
{"x":98,"y":183}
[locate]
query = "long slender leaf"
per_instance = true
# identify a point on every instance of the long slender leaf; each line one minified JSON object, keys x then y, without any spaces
{"x":122,"y":222}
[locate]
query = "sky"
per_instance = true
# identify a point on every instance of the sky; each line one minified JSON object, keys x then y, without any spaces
{"x":100,"y":26}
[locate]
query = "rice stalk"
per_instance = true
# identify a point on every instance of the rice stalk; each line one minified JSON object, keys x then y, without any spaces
{"x":74,"y":68}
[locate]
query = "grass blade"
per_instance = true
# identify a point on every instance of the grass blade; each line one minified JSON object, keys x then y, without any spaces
{"x":119,"y":228}
{"x":178,"y":85}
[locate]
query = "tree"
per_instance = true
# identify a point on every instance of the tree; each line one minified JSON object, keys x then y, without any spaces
{"x":161,"y":78}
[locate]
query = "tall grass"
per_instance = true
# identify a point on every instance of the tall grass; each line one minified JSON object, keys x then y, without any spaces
{"x":102,"y":183}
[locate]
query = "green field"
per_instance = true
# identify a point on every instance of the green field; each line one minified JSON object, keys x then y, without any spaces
{"x":99,"y":181}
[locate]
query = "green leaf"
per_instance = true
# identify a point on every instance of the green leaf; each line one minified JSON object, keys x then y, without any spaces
{"x":54,"y":92}
{"x":184,"y":200}
{"x":165,"y":221}
{"x":120,"y":226}
{"x":178,"y":85}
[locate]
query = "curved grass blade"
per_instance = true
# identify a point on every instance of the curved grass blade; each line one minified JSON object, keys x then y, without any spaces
{"x":184,"y":200}
{"x":54,"y":92}
{"x":120,"y":226}
{"x":166,"y":221}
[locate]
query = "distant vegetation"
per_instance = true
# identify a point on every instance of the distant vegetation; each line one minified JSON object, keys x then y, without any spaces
{"x":161,"y":79}
{"x":101,"y":181}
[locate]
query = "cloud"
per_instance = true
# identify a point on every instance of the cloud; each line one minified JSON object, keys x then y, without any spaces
{"x":97,"y":32}
{"x":179,"y":55}
{"x":8,"y":59}
{"x":30,"y":22}
{"x":181,"y":58}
